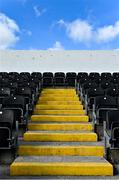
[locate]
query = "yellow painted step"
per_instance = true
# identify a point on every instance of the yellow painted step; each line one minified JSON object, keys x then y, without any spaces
{"x":59,"y":118}
{"x":41,"y":106}
{"x":59,"y":95}
{"x":61,"y":150}
{"x":59,"y":90}
{"x":63,"y":126}
{"x":60,"y":137}
{"x":61,"y":168}
{"x":59,"y":102}
{"x":55,"y":98}
{"x":59,"y":112}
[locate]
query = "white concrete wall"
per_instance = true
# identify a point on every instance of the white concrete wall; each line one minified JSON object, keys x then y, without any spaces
{"x":29,"y":60}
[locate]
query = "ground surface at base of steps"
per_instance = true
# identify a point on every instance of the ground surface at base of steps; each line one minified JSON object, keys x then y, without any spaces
{"x":60,"y":165}
{"x":59,"y":136}
{"x":60,"y":126}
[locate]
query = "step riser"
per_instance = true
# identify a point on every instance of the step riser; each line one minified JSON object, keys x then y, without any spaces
{"x":43,"y":118}
{"x":64,"y":127}
{"x":61,"y":151}
{"x":59,"y":112}
{"x":60,"y":169}
{"x":61,"y":137}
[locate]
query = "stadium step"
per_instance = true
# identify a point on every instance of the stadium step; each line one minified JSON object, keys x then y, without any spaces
{"x":59,"y":102}
{"x":60,"y":118}
{"x":59,"y":112}
{"x":60,"y":139}
{"x":41,"y":106}
{"x":60,"y":126}
{"x":55,"y":98}
{"x":60,"y":136}
{"x":63,"y":150}
{"x":60,"y":165}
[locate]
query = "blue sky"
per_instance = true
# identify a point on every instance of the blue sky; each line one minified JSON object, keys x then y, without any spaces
{"x":59,"y":24}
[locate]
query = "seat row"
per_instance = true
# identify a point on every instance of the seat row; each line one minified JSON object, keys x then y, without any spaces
{"x":17,"y":100}
{"x":101,"y":101}
{"x":60,"y":74}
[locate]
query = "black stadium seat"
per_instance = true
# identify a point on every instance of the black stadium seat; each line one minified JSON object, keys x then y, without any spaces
{"x":36,"y":75}
{"x":94,"y":75}
{"x":106,"y":75}
{"x":47,"y":74}
{"x":102,"y":104}
{"x":4,"y":92}
{"x":71,"y":75}
{"x":19,"y":105}
{"x":112,"y":128}
{"x":59,"y":81}
{"x":59,"y":75}
{"x":8,"y":130}
{"x":91,"y":93}
{"x":113,"y":91}
{"x":47,"y":82}
{"x":70,"y":82}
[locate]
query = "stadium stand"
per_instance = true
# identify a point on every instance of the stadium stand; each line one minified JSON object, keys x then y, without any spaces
{"x":70,"y":122}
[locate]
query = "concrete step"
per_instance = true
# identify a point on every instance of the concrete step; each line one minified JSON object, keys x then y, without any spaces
{"x":75,"y":136}
{"x":59,"y":102}
{"x":58,"y":107}
{"x":60,"y":118}
{"x":60,"y":126}
{"x":59,"y":112}
{"x":55,"y":98}
{"x":37,"y":150}
{"x":60,"y":165}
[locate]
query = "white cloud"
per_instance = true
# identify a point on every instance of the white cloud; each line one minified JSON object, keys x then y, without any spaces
{"x":81,"y":31}
{"x":56,"y":46}
{"x":8,"y":30}
{"x":38,"y":11}
{"x":78,"y":30}
{"x":27,"y":32}
{"x":108,"y":33}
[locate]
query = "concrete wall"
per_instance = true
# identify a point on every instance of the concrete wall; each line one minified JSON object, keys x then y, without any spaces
{"x":77,"y":61}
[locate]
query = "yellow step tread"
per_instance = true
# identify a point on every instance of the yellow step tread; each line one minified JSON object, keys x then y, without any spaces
{"x":61,"y":150}
{"x":62,"y":126}
{"x":61,"y":168}
{"x":59,"y":95}
{"x":59,"y":112}
{"x":59,"y":102}
{"x":49,"y":136}
{"x":54,"y":98}
{"x":60,"y":118}
{"x":59,"y":90}
{"x":58,"y":106}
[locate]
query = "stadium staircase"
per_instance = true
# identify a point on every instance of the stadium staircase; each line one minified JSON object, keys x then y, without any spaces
{"x":60,"y":139}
